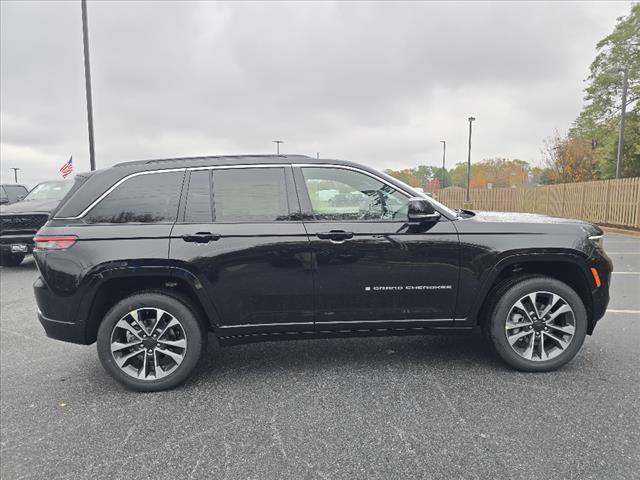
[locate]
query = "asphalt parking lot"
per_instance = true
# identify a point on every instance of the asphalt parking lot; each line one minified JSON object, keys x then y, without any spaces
{"x":412,"y":407}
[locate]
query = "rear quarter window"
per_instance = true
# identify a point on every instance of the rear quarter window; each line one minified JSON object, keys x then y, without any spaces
{"x":146,"y":198}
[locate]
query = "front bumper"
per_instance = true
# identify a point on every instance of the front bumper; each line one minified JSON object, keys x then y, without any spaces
{"x":600,"y":295}
{"x":9,"y":241}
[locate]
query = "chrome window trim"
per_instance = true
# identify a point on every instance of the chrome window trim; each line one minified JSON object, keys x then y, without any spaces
{"x":116,"y":185}
{"x":228,"y":167}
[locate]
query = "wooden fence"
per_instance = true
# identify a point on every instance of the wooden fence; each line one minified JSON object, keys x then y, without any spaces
{"x":606,"y":202}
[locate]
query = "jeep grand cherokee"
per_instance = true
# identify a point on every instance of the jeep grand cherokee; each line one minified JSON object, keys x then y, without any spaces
{"x":147,"y":257}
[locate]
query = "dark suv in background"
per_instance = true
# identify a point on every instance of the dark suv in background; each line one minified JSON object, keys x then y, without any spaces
{"x":12,"y":193}
{"x":20,"y":221}
{"x":147,"y":257}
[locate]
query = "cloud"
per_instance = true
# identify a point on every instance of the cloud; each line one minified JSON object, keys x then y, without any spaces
{"x":380,"y":83}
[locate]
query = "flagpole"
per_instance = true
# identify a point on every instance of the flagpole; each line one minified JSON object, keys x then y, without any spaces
{"x":87,"y":80}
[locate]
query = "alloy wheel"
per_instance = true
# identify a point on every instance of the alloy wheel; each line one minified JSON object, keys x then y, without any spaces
{"x":540,"y":326}
{"x":148,"y":343}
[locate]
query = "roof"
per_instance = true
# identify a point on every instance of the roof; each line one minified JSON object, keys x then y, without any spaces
{"x":216,"y":159}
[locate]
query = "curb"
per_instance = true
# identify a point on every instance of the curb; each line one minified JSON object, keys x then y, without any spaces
{"x":632,"y":233}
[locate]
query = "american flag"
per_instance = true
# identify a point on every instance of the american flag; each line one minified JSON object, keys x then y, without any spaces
{"x":67,"y":168}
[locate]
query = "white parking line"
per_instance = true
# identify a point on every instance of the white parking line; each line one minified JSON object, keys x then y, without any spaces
{"x":625,"y":273}
{"x":623,"y":311}
{"x":623,"y":253}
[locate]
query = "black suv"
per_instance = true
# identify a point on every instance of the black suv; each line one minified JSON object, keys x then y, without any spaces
{"x":12,"y":193}
{"x":147,"y":257}
{"x":20,"y":221}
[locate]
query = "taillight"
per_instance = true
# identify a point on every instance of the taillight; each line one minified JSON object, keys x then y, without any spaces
{"x":44,"y":242}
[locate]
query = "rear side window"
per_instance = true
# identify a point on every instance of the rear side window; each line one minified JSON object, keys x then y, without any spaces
{"x":148,"y":198}
{"x":250,"y":195}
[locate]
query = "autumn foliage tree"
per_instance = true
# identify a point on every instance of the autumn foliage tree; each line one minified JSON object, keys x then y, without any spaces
{"x":570,"y":159}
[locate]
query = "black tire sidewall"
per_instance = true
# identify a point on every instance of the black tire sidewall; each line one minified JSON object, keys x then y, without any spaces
{"x":510,"y":297}
{"x":192,"y":329}
{"x":11,"y":259}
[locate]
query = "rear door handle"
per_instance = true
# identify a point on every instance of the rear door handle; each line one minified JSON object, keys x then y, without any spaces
{"x":336,"y":236}
{"x":201,"y":237}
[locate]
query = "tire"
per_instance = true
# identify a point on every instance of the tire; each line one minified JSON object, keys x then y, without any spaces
{"x":11,"y":259}
{"x":536,"y":339}
{"x":132,"y":356}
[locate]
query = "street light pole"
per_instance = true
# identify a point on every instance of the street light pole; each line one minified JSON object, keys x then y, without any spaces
{"x":625,"y":84}
{"x":15,"y":173}
{"x":444,"y":150}
{"x":278,"y":142}
{"x":87,"y":81}
{"x":471,"y":120}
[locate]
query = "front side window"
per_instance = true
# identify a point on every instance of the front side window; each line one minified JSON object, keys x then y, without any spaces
{"x":250,"y":195}
{"x":147,"y":198}
{"x":339,"y":194}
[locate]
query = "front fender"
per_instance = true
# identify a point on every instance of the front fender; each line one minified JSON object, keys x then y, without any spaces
{"x":509,"y":261}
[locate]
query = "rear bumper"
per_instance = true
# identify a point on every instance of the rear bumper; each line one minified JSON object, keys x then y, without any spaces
{"x":65,"y":331}
{"x":55,"y":317}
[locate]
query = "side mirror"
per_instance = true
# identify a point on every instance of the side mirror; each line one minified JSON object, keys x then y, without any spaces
{"x":421,"y":211}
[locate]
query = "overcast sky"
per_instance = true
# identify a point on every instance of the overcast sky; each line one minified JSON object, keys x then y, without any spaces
{"x":378,"y":83}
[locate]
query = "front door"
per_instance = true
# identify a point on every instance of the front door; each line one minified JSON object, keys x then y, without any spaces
{"x":241,"y":235}
{"x":370,"y":266}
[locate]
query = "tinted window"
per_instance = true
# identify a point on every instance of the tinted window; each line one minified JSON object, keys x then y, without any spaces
{"x":198,"y":205}
{"x":340,"y":194}
{"x":250,"y":195}
{"x":149,"y":198}
{"x":16,"y":189}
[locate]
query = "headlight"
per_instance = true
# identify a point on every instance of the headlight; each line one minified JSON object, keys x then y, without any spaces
{"x":597,"y":240}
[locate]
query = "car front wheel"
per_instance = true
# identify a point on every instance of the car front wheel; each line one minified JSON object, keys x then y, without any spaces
{"x":11,"y":259}
{"x":538,"y":324}
{"x":150,"y":341}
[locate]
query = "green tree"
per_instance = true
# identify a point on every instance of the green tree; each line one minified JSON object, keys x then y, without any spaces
{"x":597,"y":124}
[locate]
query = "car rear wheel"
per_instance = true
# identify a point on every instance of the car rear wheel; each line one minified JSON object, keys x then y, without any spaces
{"x":150,"y":341}
{"x":11,"y":259}
{"x":537,"y":324}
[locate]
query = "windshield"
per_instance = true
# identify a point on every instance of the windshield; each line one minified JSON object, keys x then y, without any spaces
{"x":49,"y":191}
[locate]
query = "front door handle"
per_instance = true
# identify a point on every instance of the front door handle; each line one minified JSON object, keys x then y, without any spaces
{"x":336,"y":236}
{"x":201,"y":237}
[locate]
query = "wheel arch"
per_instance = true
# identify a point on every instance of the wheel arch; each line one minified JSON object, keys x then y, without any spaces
{"x":568,"y":268}
{"x":113,"y":285}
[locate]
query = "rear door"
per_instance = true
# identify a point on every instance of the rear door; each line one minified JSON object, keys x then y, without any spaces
{"x":241,"y":234}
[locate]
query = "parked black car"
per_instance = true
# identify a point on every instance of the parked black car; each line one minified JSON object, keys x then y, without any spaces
{"x":20,"y":221}
{"x":12,"y":193}
{"x":147,"y":257}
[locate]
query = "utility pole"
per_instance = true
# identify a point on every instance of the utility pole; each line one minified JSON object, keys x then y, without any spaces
{"x":15,"y":173}
{"x":444,"y":151}
{"x":278,"y":142}
{"x":87,"y":82}
{"x":623,"y":111}
{"x":471,"y":120}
